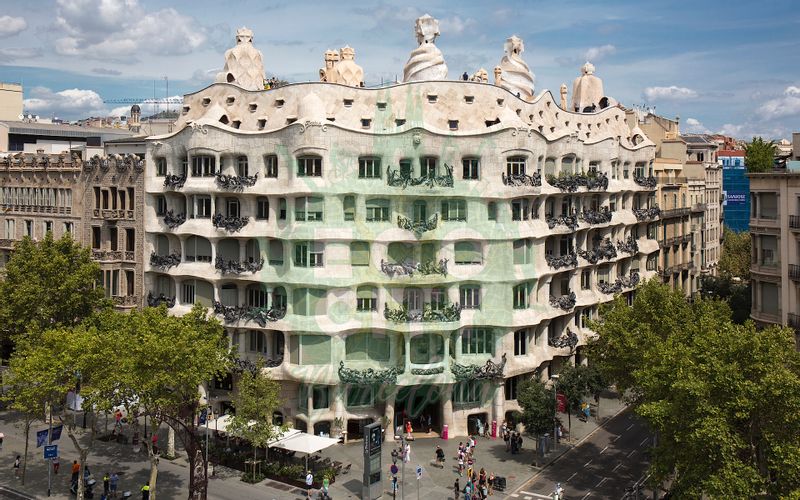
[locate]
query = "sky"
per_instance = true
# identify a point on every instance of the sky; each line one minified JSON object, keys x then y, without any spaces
{"x":723,"y":67}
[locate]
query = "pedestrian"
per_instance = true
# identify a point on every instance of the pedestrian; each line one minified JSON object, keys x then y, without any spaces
{"x":2,"y":436}
{"x":114,"y":480}
{"x":309,"y":482}
{"x":460,"y":463}
{"x":146,"y":491}
{"x":407,"y":453}
{"x":479,"y":424}
{"x":16,"y":466}
{"x":468,"y":490}
{"x":469,"y":472}
{"x":409,"y":429}
{"x":76,"y":470}
{"x":56,"y":465}
{"x":490,"y":483}
{"x":558,"y":492}
{"x":154,"y":440}
{"x":430,"y":423}
{"x":507,"y":439}
{"x":456,"y":490}
{"x":106,"y":484}
{"x":465,"y":76}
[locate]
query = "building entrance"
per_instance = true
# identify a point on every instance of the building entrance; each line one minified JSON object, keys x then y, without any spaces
{"x":420,"y":404}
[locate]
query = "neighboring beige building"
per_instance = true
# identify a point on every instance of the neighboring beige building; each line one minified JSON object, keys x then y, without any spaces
{"x":701,"y":150}
{"x":775,"y":233}
{"x":10,"y":101}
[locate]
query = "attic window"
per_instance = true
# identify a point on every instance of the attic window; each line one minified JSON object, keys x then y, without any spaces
{"x":230,"y":100}
{"x":400,"y":122}
{"x":566,"y":123}
{"x":382,"y":106}
{"x":365,"y":122}
{"x":489,"y":123}
{"x":262,"y":123}
{"x":290,"y":120}
{"x":348,"y":103}
{"x":278,"y":103}
{"x":206,"y":101}
{"x":541,"y":113}
{"x":453,"y":124}
{"x":548,"y":103}
{"x":552,"y":129}
{"x":185,"y":109}
{"x":500,"y":102}
{"x":432,"y":98}
{"x":253,"y":107}
{"x":541,"y":128}
{"x":224,"y":119}
{"x":469,"y":99}
{"x":519,"y":112}
{"x":236,"y":124}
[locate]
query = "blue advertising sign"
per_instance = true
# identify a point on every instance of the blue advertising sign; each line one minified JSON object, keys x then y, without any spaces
{"x":41,"y":438}
{"x":57,"y":432}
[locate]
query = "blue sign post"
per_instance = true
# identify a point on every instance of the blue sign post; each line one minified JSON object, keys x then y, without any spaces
{"x":50,"y":451}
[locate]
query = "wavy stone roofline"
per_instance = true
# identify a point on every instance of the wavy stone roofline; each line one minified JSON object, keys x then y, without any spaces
{"x":433,"y":105}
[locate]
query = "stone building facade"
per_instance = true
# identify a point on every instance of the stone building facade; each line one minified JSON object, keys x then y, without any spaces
{"x":413,"y":250}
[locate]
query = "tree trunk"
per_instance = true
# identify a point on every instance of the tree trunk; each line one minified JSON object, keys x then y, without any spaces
{"x":569,"y":423}
{"x":170,"y":442}
{"x":28,"y":424}
{"x":153,"y":474}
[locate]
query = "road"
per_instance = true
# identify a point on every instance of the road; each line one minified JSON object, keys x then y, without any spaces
{"x":603,"y":466}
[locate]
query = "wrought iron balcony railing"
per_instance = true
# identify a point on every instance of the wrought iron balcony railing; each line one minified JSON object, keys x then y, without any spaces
{"x":230,"y":223}
{"x":399,"y":178}
{"x":794,"y":272}
{"x":594,"y":217}
{"x":569,"y":339}
{"x":604,"y":251}
{"x":648,"y":182}
{"x":165,"y":262}
{"x":674,"y":212}
{"x":569,"y":221}
{"x":430,"y":312}
{"x":569,"y":259}
{"x":409,"y":268}
{"x":259,"y":315}
{"x":238,"y":267}
{"x":488,"y":371}
{"x":418,"y":227}
{"x":629,"y":246}
{"x":794,"y":221}
{"x":172,"y":221}
{"x":564,"y":302}
{"x":368,"y":376}
{"x":518,"y":180}
{"x":619,"y":284}
{"x":174,"y":181}
{"x":235,"y":182}
{"x":155,"y":301}
{"x":647,"y":214}
{"x":569,"y":183}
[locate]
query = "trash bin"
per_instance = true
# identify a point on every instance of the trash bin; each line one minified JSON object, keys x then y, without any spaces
{"x":494,"y":429}
{"x":445,"y":432}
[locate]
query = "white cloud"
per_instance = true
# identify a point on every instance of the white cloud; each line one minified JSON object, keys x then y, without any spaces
{"x":147,"y":108}
{"x":10,"y":26}
{"x":786,"y":105}
{"x":455,"y":25}
{"x":122,"y":29}
{"x":693,"y":125}
{"x":106,"y":71}
{"x":72,"y":102}
{"x":671,"y":93}
{"x":594,"y":54}
{"x":8,"y":54}
{"x":748,"y":130}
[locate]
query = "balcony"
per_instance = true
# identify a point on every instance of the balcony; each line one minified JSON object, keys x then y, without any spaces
{"x":569,"y":221}
{"x":409,"y":268}
{"x":173,"y":181}
{"x":368,"y":376}
{"x":230,"y":223}
{"x":172,"y":221}
{"x":569,"y":339}
{"x":126,"y":301}
{"x":569,"y":259}
{"x":259,"y":315}
{"x":431,"y":312}
{"x":629,"y":246}
{"x":604,"y":251}
{"x":237,"y":267}
{"x":649,"y":182}
{"x":794,"y":272}
{"x":569,"y":183}
{"x":564,"y":302}
{"x":794,"y":221}
{"x":235,"y":182}
{"x":674,"y":212}
{"x":619,"y":284}
{"x":418,"y":227}
{"x":155,"y":301}
{"x":7,"y":243}
{"x":112,"y":214}
{"x":165,"y":262}
{"x":595,"y":217}
{"x":647,"y":214}
{"x":698,"y":207}
{"x":519,"y":180}
{"x":403,"y":179}
{"x":113,"y":255}
{"x":671,"y":181}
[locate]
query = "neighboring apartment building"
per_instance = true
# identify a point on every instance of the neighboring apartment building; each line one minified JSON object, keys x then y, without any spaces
{"x":10,"y":101}
{"x":418,"y":249}
{"x":775,"y":228}
{"x":735,"y":190}
{"x":701,"y":150}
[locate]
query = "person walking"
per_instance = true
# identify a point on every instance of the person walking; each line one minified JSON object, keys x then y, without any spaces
{"x":146,"y":491}
{"x":309,"y":483}
{"x":16,"y":466}
{"x":490,"y":483}
{"x":460,"y":463}
{"x":114,"y":482}
{"x":56,"y":464}
{"x":76,"y":470}
{"x":407,"y":453}
{"x":106,"y":484}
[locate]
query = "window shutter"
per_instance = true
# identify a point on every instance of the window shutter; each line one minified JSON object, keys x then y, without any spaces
{"x":365,"y":292}
{"x":300,"y":301}
{"x":359,"y":253}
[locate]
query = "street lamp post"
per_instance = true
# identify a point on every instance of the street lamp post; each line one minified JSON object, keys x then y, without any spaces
{"x":554,"y":378}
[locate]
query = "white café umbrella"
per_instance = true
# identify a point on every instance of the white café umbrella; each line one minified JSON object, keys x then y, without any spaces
{"x":304,"y":443}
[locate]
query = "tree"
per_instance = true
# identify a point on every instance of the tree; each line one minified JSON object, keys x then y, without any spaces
{"x":759,"y":155}
{"x":257,"y":395}
{"x":576,"y":383}
{"x":538,"y":406}
{"x":737,"y":295}
{"x":734,"y":262}
{"x":48,"y":284}
{"x":724,"y":398}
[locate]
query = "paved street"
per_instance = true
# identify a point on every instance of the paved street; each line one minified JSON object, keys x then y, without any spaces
{"x":612,"y":459}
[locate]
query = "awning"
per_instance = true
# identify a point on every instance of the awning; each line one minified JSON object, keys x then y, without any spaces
{"x":304,"y":443}
{"x":221,"y":424}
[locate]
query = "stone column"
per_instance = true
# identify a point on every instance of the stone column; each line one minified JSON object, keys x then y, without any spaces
{"x":389,"y":412}
{"x":447,"y":407}
{"x":407,"y":364}
{"x":498,"y":403}
{"x":338,"y":408}
{"x":242,"y":249}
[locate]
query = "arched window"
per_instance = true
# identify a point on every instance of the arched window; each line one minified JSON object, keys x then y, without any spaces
{"x":241,"y":166}
{"x":229,"y":294}
{"x":467,"y":252}
{"x":198,"y":249}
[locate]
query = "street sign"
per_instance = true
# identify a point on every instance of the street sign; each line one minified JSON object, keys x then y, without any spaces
{"x":50,"y":451}
{"x":419,"y":472}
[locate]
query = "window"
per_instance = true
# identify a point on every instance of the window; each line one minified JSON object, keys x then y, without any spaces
{"x":360,"y":396}
{"x":520,"y":209}
{"x":359,"y":253}
{"x":258,"y":341}
{"x":470,"y":296}
{"x":161,"y":167}
{"x":198,"y":249}
{"x":308,"y":254}
{"x":366,"y":299}
{"x":467,"y":392}
{"x":586,"y":279}
{"x":11,"y":230}
{"x":520,"y":342}
{"x":523,"y":253}
{"x":366,"y":347}
{"x":625,"y":170}
{"x":428,"y":166}
{"x":491,"y":211}
{"x":69,"y":227}
{"x":511,"y":385}
{"x":321,"y":397}
{"x":203,"y":166}
{"x":202,"y":207}
{"x":369,"y":168}
{"x":515,"y":165}
{"x":130,"y":239}
{"x":262,"y":208}
{"x":400,"y":253}
{"x":309,"y":166}
{"x":477,"y":341}
{"x":275,"y":252}
{"x":308,"y":208}
{"x":282,"y":208}
{"x":412,"y":299}
{"x":271,"y":166}
{"x":452,"y":124}
{"x":377,"y":210}
{"x":769,"y":205}
{"x":603,"y":274}
{"x":29,"y":228}
{"x":584,"y":317}
{"x":161,"y":204}
{"x":769,"y":250}
{"x":406,"y":169}
{"x":420,"y":211}
{"x":471,"y":168}
{"x":95,"y":237}
{"x":770,"y":298}
{"x":454,"y":210}
{"x":241,"y":166}
{"x":256,"y":296}
{"x":187,"y":292}
{"x":427,"y":348}
{"x":349,"y":207}
{"x":47,"y":227}
{"x":232,"y":207}
{"x":366,"y":122}
{"x":467,"y":252}
{"x":309,"y":301}
{"x":521,"y":296}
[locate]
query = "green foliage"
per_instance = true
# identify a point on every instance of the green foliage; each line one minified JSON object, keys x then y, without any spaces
{"x":253,"y":478}
{"x":256,"y":398}
{"x":737,"y":295}
{"x":735,"y":259}
{"x":538,"y":406}
{"x":724,"y":398}
{"x":759,"y":155}
{"x":579,"y":382}
{"x":48,"y":284}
